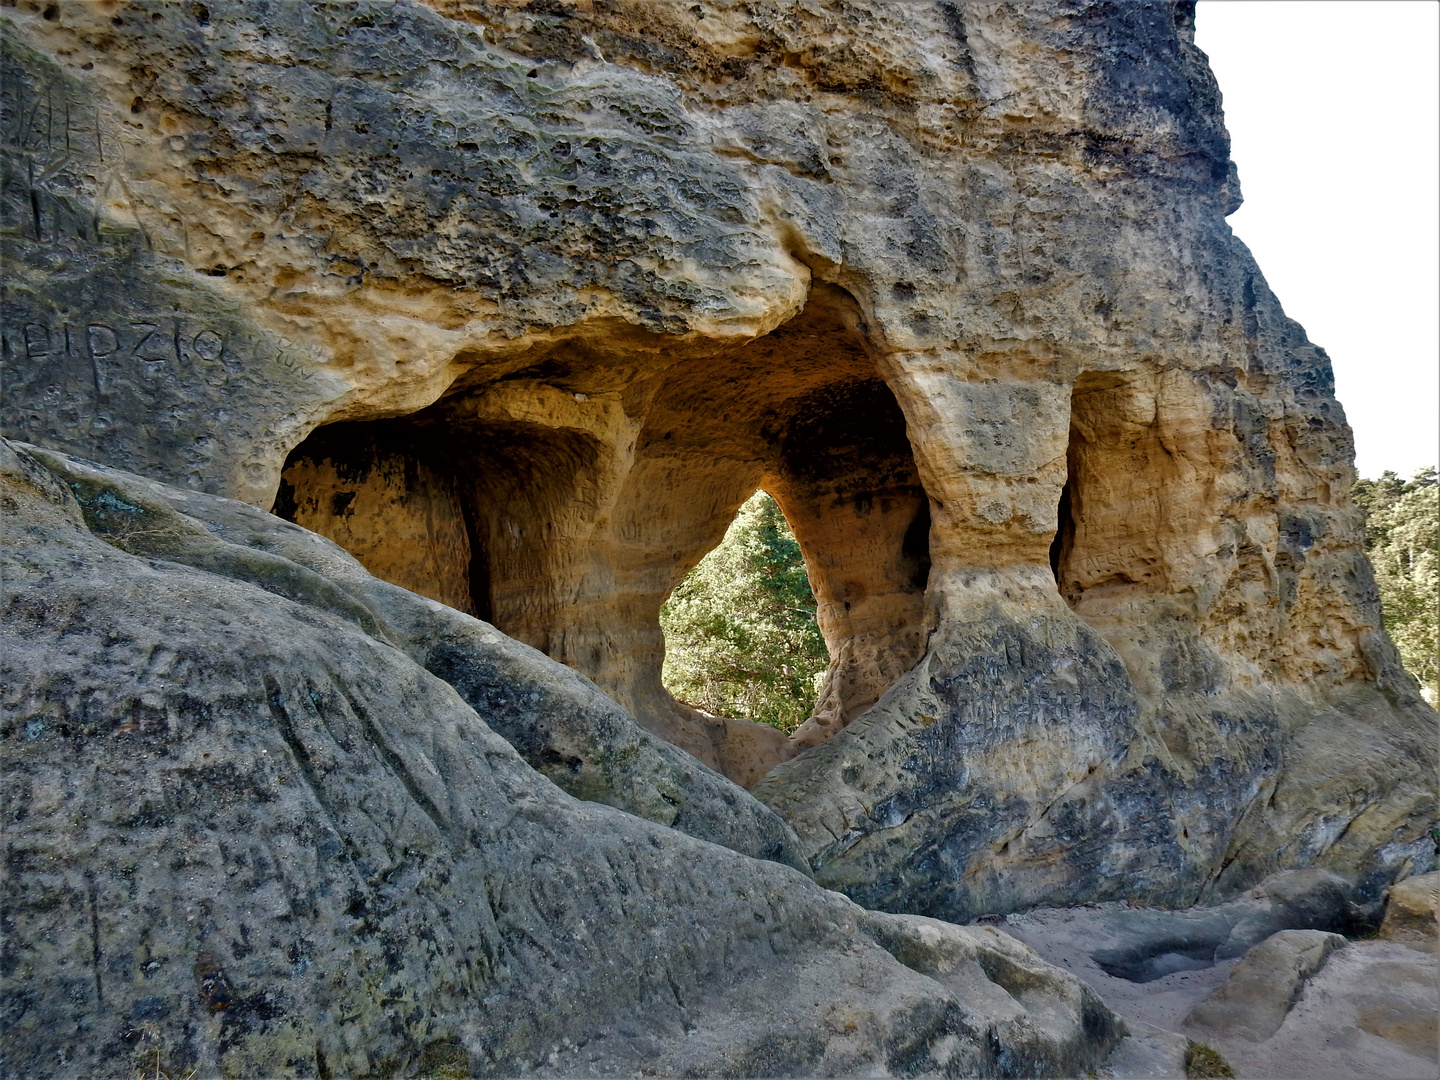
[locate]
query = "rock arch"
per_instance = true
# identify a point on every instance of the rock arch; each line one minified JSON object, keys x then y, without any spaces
{"x":566,"y":501}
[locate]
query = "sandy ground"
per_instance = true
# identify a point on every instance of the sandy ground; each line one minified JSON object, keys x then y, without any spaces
{"x":1372,"y":1013}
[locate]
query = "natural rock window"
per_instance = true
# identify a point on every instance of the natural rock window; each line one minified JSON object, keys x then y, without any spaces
{"x":741,"y":636}
{"x":566,"y":501}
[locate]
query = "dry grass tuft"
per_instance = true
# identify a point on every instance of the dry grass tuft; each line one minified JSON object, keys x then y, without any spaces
{"x":1205,"y":1063}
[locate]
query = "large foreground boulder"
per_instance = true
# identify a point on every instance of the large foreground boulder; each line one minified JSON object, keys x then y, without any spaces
{"x":245,"y":835}
{"x":559,"y":721}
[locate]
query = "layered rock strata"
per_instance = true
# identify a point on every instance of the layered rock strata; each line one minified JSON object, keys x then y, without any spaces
{"x":519,"y":303}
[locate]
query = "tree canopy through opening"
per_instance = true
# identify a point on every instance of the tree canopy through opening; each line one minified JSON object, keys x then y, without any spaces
{"x":741,"y":638}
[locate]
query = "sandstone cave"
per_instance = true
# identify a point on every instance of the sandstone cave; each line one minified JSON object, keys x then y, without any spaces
{"x":564,"y":502}
{"x":517,"y":303}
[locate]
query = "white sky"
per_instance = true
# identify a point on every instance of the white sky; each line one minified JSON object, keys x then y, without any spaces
{"x":1334,"y":115}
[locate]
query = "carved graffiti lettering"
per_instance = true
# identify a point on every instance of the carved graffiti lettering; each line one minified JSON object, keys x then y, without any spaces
{"x":46,"y":140}
{"x":151,"y":345}
{"x":146,"y":332}
{"x":101,"y":340}
{"x":47,"y":121}
{"x":112,"y":348}
{"x":101,"y":343}
{"x":208,"y":345}
{"x":37,"y":340}
{"x":67,"y":217}
{"x":1111,"y":562}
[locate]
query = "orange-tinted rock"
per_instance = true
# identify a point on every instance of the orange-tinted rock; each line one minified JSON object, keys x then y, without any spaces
{"x":1410,"y":911}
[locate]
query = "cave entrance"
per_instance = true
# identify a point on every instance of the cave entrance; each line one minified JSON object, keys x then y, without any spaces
{"x":565,"y":500}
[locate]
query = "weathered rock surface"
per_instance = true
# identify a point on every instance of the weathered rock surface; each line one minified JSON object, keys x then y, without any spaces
{"x":248,"y":837}
{"x":1116,"y":947}
{"x":1144,"y":945}
{"x":519,"y":303}
{"x":1412,"y":908}
{"x":559,"y":722}
{"x":1264,"y":986}
{"x":1147,"y":1053}
{"x":1370,"y":1012}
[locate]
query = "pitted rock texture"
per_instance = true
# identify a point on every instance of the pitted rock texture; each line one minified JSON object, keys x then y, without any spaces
{"x":558,"y":721}
{"x":520,"y":302}
{"x":245,"y":836}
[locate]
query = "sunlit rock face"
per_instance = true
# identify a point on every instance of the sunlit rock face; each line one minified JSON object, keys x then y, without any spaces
{"x":519,"y":302}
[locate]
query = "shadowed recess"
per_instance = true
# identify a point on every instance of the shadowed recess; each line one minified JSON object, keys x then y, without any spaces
{"x":568,"y":500}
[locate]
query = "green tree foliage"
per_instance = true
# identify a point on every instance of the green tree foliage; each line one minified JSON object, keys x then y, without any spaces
{"x":740,"y":632}
{"x":1402,"y":537}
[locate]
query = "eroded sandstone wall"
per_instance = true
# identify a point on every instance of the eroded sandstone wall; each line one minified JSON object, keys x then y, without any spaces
{"x":249,"y":833}
{"x":596,"y":271}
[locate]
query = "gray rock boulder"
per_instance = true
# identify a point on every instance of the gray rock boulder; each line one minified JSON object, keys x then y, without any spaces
{"x":1254,"y":1001}
{"x":558,"y":720}
{"x":246,"y":835}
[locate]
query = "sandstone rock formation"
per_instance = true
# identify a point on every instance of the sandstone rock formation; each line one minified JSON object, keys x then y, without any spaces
{"x":247,"y":835}
{"x":1411,"y":908}
{"x":1256,"y":998}
{"x":519,"y":302}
